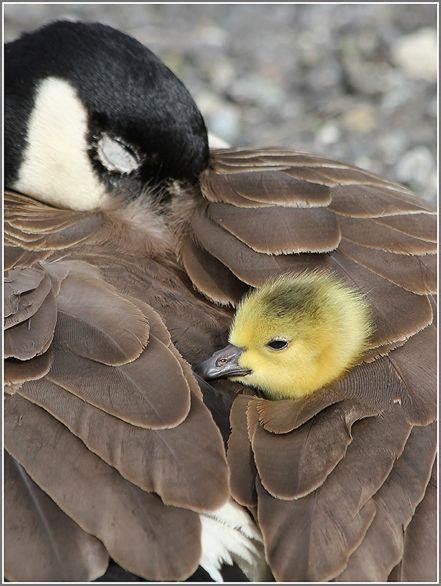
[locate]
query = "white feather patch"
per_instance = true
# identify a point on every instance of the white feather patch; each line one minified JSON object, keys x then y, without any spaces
{"x":56,"y":167}
{"x":214,"y":142}
{"x":229,"y":535}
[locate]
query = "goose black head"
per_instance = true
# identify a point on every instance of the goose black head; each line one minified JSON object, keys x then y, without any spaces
{"x":91,"y":113}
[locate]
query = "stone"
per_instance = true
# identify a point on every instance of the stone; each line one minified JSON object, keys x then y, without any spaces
{"x":416,"y":54}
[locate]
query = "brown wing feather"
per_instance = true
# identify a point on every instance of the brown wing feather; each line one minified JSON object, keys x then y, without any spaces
{"x":16,"y":256}
{"x":18,"y":371}
{"x":298,"y":164}
{"x":286,"y":415}
{"x":267,"y":186}
{"x":327,"y":525}
{"x":155,"y":541}
{"x":396,"y":501}
{"x":249,"y":266}
{"x":41,"y":542}
{"x":288,"y":523}
{"x":397,"y":314}
{"x":156,"y":325}
{"x":421,"y":225}
{"x":240,"y":455}
{"x":33,"y":336}
{"x":278,"y":230}
{"x":294,"y":464}
{"x":22,"y":305}
{"x":414,"y":363}
{"x":210,"y":276}
{"x":30,"y":224}
{"x":96,"y":323}
{"x":157,"y":461}
{"x":18,"y":281}
{"x":368,"y":201}
{"x":413,"y":273}
{"x":377,"y":235}
{"x":113,"y":350}
{"x":139,"y":392}
{"x":419,"y":562}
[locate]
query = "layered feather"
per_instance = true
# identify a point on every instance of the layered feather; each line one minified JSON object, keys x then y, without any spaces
{"x":61,"y":551}
{"x":118,"y":397}
{"x":317,"y":467}
{"x":107,"y":418}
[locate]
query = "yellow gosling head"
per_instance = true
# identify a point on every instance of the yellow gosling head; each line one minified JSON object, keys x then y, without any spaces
{"x":294,"y":335}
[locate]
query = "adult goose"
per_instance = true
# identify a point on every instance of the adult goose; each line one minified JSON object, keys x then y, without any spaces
{"x":127,"y":246}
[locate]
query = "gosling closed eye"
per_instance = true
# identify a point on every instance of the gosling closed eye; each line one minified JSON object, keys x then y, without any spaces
{"x":277,"y":344}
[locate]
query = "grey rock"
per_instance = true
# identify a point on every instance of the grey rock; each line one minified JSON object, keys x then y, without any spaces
{"x":417,"y":167}
{"x":417,"y":53}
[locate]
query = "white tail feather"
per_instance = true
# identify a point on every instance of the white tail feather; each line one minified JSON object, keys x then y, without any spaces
{"x":229,"y":535}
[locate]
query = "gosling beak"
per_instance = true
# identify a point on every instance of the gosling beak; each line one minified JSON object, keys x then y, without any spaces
{"x":223,"y":363}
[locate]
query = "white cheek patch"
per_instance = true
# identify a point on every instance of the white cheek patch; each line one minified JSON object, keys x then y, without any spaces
{"x":56,"y":168}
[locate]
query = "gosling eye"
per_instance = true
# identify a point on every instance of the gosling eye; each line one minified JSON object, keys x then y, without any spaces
{"x":116,"y":156}
{"x":277,"y":344}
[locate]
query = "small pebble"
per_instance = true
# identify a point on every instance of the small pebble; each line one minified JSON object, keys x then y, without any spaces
{"x":417,"y":53}
{"x":417,"y":168}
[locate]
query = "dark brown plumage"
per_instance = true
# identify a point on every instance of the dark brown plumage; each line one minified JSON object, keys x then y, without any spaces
{"x":114,"y":446}
{"x":340,"y":455}
{"x":418,"y":545}
{"x":395,"y":270}
{"x":115,"y":382}
{"x":134,"y":526}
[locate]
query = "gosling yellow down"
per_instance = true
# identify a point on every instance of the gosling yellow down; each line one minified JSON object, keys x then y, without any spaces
{"x":300,"y":333}
{"x":294,"y":335}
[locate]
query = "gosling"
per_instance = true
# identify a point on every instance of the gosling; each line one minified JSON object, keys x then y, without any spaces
{"x":294,"y":335}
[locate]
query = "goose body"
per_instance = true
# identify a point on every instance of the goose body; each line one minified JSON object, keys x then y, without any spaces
{"x":127,"y":247}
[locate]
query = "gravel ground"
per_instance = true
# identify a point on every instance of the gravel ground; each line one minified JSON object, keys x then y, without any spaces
{"x":353,"y":82}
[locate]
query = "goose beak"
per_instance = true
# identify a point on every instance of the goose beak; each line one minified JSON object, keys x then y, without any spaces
{"x":223,"y":363}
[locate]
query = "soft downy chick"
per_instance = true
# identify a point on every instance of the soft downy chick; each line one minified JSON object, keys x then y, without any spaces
{"x":294,"y":335}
